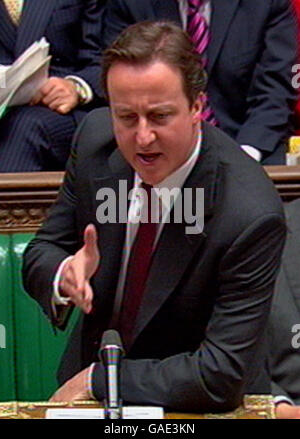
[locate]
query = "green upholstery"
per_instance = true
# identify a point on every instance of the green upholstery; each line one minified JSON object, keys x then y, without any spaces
{"x":7,"y":355}
{"x":33,"y":350}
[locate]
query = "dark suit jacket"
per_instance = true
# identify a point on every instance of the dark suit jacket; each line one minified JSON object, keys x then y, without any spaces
{"x":284,"y":326}
{"x":250,"y":56}
{"x":199,"y":329}
{"x":73,"y":29}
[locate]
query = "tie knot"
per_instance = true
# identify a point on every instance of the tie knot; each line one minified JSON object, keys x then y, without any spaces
{"x":147,"y":188}
{"x":14,"y":9}
{"x":150,"y":210}
{"x":195,"y":4}
{"x":148,"y":199}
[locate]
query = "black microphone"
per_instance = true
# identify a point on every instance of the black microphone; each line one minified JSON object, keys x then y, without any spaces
{"x":110,"y":353}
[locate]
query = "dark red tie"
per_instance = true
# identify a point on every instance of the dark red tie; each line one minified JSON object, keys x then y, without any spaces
{"x":137,"y":272}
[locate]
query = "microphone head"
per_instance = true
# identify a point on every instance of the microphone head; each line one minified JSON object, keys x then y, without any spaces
{"x":110,"y":338}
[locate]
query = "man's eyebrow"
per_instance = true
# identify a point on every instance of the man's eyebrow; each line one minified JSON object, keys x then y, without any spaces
{"x":162,"y":107}
{"x":122,"y":108}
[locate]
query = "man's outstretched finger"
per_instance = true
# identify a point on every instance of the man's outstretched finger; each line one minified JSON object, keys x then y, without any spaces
{"x":91,"y":250}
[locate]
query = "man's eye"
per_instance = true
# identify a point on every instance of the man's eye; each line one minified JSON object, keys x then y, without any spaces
{"x":160,"y":116}
{"x":127,"y":117}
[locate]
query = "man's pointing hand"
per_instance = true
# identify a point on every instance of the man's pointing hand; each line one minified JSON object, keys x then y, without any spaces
{"x":77,"y":272}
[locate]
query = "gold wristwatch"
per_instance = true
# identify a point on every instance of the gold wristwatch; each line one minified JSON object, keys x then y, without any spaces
{"x":80,"y":90}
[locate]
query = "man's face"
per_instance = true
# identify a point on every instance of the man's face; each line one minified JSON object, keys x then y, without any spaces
{"x":155,"y":127}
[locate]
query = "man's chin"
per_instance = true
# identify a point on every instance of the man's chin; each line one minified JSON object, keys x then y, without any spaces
{"x":151,"y":178}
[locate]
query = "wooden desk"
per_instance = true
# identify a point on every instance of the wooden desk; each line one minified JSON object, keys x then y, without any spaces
{"x":254,"y":407}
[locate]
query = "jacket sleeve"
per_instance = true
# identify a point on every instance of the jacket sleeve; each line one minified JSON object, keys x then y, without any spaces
{"x":56,"y":240}
{"x":85,"y":60}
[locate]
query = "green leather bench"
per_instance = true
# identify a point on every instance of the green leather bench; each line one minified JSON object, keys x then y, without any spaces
{"x":7,"y":355}
{"x":29,"y":361}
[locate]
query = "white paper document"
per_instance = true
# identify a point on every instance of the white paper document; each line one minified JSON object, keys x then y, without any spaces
{"x":130,"y":412}
{"x":20,"y":81}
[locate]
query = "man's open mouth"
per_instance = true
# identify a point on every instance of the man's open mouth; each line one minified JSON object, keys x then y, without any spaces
{"x":149,"y":157}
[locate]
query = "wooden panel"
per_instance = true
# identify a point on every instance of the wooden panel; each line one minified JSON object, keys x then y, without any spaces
{"x":286,"y":180}
{"x":26,"y":197}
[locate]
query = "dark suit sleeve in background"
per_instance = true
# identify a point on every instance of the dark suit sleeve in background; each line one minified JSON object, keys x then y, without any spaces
{"x":76,"y":47}
{"x":271,"y":96}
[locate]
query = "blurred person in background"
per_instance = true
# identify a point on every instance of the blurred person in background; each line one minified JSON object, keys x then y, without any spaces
{"x":249,"y":48}
{"x":37,"y":136}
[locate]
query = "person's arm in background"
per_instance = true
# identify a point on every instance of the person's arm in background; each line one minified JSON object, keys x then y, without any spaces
{"x":79,"y":85}
{"x":271,"y":95}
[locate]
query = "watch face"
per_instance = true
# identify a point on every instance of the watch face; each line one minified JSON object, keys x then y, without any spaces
{"x":80,"y":92}
{"x":82,"y":95}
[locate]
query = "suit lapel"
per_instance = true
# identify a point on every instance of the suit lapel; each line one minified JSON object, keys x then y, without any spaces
{"x":176,"y":248}
{"x":167,"y":10}
{"x":111,"y":235}
{"x":33,"y":23}
{"x":222,"y":13}
{"x":8,"y":31}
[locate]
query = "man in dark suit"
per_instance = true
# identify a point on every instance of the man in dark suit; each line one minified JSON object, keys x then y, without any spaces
{"x":38,"y":136}
{"x":194,"y":337}
{"x":249,"y":59}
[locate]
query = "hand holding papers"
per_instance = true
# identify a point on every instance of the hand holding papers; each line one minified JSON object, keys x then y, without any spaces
{"x":20,"y":81}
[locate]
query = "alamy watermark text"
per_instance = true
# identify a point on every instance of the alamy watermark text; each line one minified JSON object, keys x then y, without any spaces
{"x":186,"y":206}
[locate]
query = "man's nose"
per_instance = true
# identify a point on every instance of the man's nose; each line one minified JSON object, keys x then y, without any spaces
{"x":144,"y":134}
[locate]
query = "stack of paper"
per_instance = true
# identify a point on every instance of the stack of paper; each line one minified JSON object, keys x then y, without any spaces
{"x":130,"y":412}
{"x":20,"y":81}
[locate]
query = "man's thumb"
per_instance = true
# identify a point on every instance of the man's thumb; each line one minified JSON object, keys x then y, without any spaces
{"x":91,"y":246}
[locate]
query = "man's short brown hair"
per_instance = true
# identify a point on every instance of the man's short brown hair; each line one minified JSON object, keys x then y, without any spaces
{"x":149,"y":41}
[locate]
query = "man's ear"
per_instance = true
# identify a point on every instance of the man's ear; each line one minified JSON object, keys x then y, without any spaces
{"x":197,"y":108}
